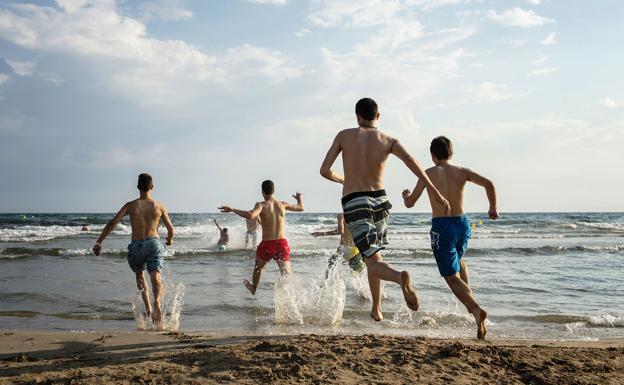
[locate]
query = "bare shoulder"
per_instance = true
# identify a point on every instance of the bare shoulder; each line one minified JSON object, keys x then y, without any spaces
{"x":160,"y":206}
{"x":346,"y":132}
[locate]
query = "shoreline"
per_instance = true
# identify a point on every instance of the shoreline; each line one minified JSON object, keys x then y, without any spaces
{"x":205,"y":358}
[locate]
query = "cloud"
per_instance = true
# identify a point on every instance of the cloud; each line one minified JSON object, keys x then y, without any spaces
{"x":540,"y":60}
{"x":120,"y":50}
{"x":3,"y":78}
{"x":302,"y":32}
{"x":543,"y":71}
{"x":550,"y":39}
{"x":273,"y":2}
{"x":164,"y":10}
{"x":22,"y":68}
{"x":534,"y":2}
{"x":348,"y":13}
{"x":610,"y":103}
{"x":487,"y":92}
{"x":431,"y":4}
{"x":518,"y":17}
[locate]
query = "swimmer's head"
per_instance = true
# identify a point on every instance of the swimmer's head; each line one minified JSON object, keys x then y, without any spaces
{"x":366,"y":110}
{"x":268,"y":188}
{"x":145,"y":182}
{"x":225,"y":230}
{"x":441,"y":149}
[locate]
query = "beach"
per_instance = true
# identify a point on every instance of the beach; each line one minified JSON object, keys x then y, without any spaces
{"x":199,"y":358}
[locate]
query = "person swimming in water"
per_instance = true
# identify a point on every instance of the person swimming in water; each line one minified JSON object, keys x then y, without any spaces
{"x":252,"y":232}
{"x":224,"y":237}
{"x":347,"y":251}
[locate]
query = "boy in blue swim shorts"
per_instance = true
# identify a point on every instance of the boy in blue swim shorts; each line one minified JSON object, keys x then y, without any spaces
{"x":450,"y":234}
{"x":146,"y":251}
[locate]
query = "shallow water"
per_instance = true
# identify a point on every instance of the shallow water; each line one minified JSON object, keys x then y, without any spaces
{"x":552,"y":276}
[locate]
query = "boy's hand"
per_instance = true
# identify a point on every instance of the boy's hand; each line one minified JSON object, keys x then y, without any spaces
{"x":297,"y":196}
{"x":492,"y":213}
{"x":169,"y":242}
{"x":97,"y":248}
{"x":442,"y":200}
{"x":225,"y":209}
{"x":316,"y":234}
{"x":405,"y":193}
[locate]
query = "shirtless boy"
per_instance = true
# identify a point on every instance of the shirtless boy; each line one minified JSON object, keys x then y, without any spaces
{"x":450,"y":233}
{"x":252,"y":232}
{"x":272,"y":214}
{"x":146,"y":249}
{"x":346,"y":249}
{"x":366,"y":207}
{"x":224,"y":237}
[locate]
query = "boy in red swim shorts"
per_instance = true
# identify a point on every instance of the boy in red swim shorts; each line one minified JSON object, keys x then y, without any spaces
{"x":274,"y":245}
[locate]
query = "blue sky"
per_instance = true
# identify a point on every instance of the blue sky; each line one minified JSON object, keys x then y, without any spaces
{"x":212,"y":97}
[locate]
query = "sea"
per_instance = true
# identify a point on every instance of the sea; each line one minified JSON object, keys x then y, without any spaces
{"x":540,"y":276}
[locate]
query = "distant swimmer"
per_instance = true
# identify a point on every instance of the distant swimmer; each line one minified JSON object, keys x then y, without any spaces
{"x":272,"y":214}
{"x":450,"y":232}
{"x":84,"y":228}
{"x":347,"y":251}
{"x":252,"y":232}
{"x":365,"y":204}
{"x":146,"y":250}
{"x":224,"y":237}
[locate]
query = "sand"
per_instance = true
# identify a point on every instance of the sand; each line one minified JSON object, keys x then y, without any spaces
{"x":196,"y":358}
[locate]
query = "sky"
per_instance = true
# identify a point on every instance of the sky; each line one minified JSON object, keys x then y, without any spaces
{"x":213,"y":96}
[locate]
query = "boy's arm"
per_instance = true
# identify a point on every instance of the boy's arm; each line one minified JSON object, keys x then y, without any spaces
{"x":298,"y":207}
{"x":168,"y":225}
{"x":490,"y":190}
{"x":330,"y":158}
{"x":217,"y":224}
{"x":324,"y":233}
{"x":251,"y":214}
{"x":411,"y":199}
{"x":399,"y":151}
{"x":110,"y":226}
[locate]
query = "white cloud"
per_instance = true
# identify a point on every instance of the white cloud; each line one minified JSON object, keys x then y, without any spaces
{"x":550,"y":39}
{"x":431,"y":4}
{"x":164,"y":10}
{"x":534,"y":2}
{"x":127,"y":58}
{"x":348,"y":13}
{"x":22,"y":68}
{"x":274,"y":2}
{"x":487,"y":92}
{"x":543,"y":71}
{"x":610,"y":103}
{"x":540,"y":60}
{"x":302,"y":32}
{"x":518,"y":17}
{"x":3,"y":78}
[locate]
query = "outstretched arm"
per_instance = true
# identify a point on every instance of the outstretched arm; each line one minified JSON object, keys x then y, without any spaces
{"x":411,"y":199}
{"x":324,"y":233}
{"x":330,"y":158}
{"x":297,"y":207}
{"x":251,"y":214}
{"x":400,"y":152}
{"x":110,"y":226}
{"x":168,"y":225}
{"x":490,"y":190}
{"x":217,"y":224}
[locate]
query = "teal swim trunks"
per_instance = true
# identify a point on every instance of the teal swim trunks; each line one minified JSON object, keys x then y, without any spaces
{"x":449,"y":241}
{"x":146,"y":253}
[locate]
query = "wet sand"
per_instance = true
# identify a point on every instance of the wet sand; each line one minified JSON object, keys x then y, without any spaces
{"x":196,"y":358}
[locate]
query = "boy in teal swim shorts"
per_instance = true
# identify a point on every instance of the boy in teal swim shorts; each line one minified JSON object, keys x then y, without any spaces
{"x":146,"y":250}
{"x":450,"y":234}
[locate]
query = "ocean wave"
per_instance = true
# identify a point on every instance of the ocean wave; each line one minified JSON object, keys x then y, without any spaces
{"x":576,"y":322}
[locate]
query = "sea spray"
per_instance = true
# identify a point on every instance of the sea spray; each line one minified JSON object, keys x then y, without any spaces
{"x":172,"y":301}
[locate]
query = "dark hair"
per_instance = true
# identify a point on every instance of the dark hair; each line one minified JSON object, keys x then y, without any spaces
{"x":225,"y":229}
{"x":441,"y":147}
{"x":145,"y":182}
{"x":268,"y":187}
{"x":366,"y":109}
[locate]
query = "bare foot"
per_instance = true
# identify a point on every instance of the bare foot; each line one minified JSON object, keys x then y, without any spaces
{"x":376,"y":315}
{"x":480,"y":316}
{"x":249,"y":286}
{"x":157,"y":315}
{"x":408,"y":291}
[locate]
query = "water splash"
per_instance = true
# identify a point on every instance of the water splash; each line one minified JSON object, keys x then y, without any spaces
{"x":172,"y":301}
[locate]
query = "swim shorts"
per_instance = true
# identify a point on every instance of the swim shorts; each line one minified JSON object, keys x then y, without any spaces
{"x":366,"y":214}
{"x":449,"y":241}
{"x":277,"y":249}
{"x":148,"y":252}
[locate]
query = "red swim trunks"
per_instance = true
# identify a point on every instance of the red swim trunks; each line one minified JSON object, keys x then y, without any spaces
{"x":277,"y":249}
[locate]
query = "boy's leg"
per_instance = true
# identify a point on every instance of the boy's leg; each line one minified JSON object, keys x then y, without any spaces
{"x":284,"y":267}
{"x":142,"y":287}
{"x":252,"y":286}
{"x":157,"y":287}
{"x":379,"y":270}
{"x":464,"y":294}
{"x":463,"y":273}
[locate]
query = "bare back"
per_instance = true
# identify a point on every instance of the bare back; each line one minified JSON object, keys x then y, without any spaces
{"x":450,"y":181}
{"x":364,"y":155}
{"x":272,"y":217}
{"x":145,"y":216}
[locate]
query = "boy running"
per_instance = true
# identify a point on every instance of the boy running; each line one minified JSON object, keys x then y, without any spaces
{"x":346,"y":249}
{"x":272,"y":214}
{"x":450,"y":233}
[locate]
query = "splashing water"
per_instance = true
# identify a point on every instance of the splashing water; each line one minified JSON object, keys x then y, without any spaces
{"x":172,"y":301}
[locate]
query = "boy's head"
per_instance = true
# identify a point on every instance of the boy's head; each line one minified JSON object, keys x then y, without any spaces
{"x":225,"y":230}
{"x":268,"y":188}
{"x":145,"y":182}
{"x":441,"y":148}
{"x":366,"y":109}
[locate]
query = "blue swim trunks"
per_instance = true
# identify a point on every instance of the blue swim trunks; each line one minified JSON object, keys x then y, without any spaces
{"x":449,"y":241}
{"x":144,"y":253}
